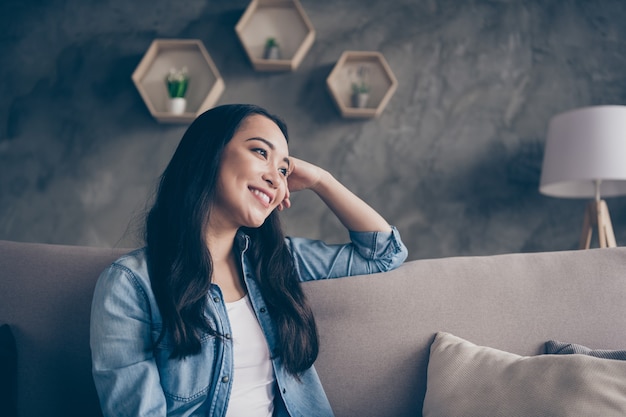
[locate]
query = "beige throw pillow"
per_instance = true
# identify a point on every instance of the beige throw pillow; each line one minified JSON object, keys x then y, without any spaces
{"x":477,"y":381}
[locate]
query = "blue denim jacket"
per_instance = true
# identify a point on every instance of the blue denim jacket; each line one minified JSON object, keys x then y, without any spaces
{"x":135,"y":378}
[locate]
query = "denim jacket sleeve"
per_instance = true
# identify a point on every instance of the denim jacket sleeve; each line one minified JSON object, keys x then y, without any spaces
{"x":368,"y":253}
{"x":123,"y":364}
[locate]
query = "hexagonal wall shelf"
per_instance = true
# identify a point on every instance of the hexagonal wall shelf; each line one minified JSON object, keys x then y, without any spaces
{"x":205,"y":83}
{"x":365,"y":70}
{"x":283,"y":20}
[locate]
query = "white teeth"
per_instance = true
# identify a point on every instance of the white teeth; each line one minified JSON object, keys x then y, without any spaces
{"x":264,"y":196}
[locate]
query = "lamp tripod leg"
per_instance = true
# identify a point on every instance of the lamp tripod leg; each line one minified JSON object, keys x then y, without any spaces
{"x":605,"y":228}
{"x":585,"y":236}
{"x":597,"y":215}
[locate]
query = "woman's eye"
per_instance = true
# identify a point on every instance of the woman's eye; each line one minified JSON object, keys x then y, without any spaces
{"x":260,"y":151}
{"x":284,"y":171}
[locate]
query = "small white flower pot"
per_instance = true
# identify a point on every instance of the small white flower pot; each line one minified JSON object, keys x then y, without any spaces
{"x":177,"y":105}
{"x":272,"y":52}
{"x":359,"y":100}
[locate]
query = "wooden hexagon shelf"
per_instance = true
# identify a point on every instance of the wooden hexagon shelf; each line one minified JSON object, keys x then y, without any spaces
{"x":367,"y":69}
{"x":283,"y":20}
{"x":205,"y":83}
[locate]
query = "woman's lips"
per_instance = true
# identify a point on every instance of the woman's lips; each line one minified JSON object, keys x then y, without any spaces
{"x":261,"y":196}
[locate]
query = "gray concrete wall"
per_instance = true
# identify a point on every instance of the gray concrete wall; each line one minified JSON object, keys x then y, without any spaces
{"x":454,"y":160}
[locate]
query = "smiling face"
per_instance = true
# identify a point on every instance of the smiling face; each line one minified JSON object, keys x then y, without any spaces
{"x":252,"y":180}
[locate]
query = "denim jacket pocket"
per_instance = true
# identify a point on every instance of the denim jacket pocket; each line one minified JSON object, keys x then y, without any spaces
{"x":185,"y":379}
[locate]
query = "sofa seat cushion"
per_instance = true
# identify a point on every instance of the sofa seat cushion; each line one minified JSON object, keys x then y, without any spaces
{"x":467,"y":380}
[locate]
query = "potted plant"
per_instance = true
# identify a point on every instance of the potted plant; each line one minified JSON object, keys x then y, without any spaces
{"x":360,"y":94}
{"x":176,"y":82}
{"x":360,"y":87}
{"x":272,"y":49}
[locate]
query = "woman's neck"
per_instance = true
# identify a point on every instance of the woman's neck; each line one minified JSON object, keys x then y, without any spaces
{"x":220,"y":243}
{"x":226,"y":273}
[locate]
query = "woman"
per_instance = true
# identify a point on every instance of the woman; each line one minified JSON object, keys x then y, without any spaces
{"x":209,"y":318}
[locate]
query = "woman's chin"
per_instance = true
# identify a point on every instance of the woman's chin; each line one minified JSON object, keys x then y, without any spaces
{"x":255,"y":223}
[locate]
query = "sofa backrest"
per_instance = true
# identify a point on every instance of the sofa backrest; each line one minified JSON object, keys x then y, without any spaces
{"x":45,"y":296}
{"x":375,"y":330}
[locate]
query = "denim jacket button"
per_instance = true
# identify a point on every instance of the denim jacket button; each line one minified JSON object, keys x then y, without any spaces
{"x":227,"y":335}
{"x":225,"y":379}
{"x":216,"y":299}
{"x":263,"y":310}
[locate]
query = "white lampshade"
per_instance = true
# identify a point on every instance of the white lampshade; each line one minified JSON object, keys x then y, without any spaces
{"x":584,"y":146}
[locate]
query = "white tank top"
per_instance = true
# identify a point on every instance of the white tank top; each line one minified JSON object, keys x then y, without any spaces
{"x":252,"y":393}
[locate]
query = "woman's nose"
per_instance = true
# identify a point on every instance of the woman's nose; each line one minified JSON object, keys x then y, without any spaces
{"x":271,"y":177}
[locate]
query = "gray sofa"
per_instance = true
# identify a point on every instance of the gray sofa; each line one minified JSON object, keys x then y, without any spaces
{"x":376,"y":331}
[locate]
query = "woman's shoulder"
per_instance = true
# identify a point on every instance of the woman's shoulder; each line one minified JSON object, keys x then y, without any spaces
{"x":133,"y":259}
{"x":124,"y":286}
{"x":132,"y":265}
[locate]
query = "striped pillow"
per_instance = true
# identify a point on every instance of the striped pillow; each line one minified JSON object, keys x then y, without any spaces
{"x":561,"y":348}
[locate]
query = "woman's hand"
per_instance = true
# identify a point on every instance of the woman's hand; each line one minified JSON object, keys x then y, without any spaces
{"x":352,"y":212}
{"x":302,"y":175}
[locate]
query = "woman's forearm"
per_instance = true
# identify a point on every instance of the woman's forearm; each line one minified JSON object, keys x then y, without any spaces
{"x":355,"y":214}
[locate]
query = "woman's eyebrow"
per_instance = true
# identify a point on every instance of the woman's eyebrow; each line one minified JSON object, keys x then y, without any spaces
{"x":265,"y":141}
{"x":271,"y":146}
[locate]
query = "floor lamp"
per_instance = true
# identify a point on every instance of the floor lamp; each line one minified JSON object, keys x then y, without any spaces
{"x":585,"y":157}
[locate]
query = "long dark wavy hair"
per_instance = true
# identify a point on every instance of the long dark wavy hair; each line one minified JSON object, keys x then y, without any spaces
{"x":180,"y":263}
